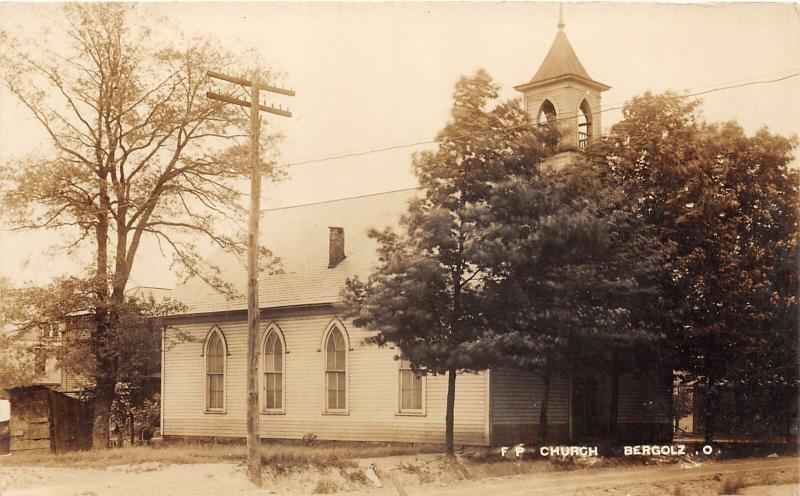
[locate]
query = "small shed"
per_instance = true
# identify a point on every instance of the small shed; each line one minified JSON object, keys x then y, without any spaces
{"x":44,"y":419}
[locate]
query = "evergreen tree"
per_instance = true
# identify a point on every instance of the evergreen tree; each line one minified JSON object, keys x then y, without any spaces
{"x":426,"y":295}
{"x":575,"y":280}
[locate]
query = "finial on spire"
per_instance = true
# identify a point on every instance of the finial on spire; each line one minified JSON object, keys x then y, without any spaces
{"x":560,"y":16}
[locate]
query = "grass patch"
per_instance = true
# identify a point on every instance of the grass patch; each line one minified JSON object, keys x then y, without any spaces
{"x":280,"y":456}
{"x":326,"y":486}
{"x":356,"y":477}
{"x":424,"y":475}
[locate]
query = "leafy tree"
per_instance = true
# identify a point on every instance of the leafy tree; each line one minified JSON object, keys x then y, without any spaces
{"x":425,"y":296}
{"x":728,"y":202}
{"x":17,"y":362}
{"x":134,"y":414}
{"x":16,"y":366}
{"x":138,"y":151}
{"x":133,"y":344}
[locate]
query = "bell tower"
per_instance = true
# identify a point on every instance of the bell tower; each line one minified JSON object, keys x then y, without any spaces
{"x":562,"y":92}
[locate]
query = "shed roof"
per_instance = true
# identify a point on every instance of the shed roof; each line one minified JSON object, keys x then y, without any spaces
{"x":300,"y":236}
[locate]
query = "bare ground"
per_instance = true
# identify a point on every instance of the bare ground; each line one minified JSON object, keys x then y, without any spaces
{"x":413,"y":475}
{"x":778,"y":475}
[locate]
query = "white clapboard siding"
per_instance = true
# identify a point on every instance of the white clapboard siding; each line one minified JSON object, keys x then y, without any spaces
{"x":517,"y":395}
{"x":372,"y":393}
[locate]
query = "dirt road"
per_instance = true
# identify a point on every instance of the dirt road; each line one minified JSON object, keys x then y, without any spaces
{"x":229,"y":479}
{"x":627,"y":481}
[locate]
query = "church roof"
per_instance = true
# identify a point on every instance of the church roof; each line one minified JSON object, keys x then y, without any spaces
{"x":299,"y":236}
{"x":561,"y":62}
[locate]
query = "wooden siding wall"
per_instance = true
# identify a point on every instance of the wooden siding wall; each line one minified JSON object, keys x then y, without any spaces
{"x":517,"y":396}
{"x":71,"y":423}
{"x":30,"y":420}
{"x":43,"y":419}
{"x":372,"y":392}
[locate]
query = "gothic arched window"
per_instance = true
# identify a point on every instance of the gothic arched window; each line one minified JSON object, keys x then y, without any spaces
{"x":273,"y":356}
{"x":584,"y":124}
{"x":215,"y":352}
{"x":547,"y":113}
{"x":336,"y":371}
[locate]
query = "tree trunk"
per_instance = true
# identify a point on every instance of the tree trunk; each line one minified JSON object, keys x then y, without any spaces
{"x":104,"y":387}
{"x":710,"y":413}
{"x":120,"y":438}
{"x":133,"y":433}
{"x":613,"y":404}
{"x":101,"y":414}
{"x":673,"y":393}
{"x":546,"y":380}
{"x":449,"y":418}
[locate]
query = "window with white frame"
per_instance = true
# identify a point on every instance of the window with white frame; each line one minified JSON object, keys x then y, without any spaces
{"x":335,"y":371}
{"x":273,"y":371}
{"x":215,"y":371}
{"x":412,"y":388}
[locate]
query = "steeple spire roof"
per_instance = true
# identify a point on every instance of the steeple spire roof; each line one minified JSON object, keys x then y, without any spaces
{"x":561,"y":61}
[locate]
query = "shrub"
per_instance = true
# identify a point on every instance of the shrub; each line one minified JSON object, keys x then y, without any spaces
{"x":310,"y":439}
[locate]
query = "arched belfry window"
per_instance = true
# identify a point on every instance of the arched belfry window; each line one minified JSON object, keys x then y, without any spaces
{"x":336,"y":348}
{"x":215,"y":354}
{"x":273,"y":353}
{"x":584,"y":124}
{"x":547,"y":113}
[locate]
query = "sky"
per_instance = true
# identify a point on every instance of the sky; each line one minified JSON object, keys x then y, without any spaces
{"x":372,"y":75}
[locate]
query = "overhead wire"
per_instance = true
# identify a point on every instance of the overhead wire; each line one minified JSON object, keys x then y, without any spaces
{"x":430,"y":141}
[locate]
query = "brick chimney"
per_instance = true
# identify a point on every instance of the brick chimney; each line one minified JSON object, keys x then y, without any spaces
{"x":335,"y":246}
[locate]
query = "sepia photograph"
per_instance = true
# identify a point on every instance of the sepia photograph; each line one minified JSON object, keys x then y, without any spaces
{"x":399,"y":248}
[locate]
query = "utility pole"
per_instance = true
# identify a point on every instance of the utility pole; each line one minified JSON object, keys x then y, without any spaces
{"x":253,"y":309}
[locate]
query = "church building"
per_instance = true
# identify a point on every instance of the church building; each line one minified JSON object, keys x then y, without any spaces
{"x":318,"y":376}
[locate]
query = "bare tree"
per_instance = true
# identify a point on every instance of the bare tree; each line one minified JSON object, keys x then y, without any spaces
{"x":138,"y":150}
